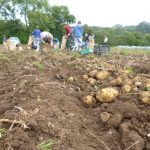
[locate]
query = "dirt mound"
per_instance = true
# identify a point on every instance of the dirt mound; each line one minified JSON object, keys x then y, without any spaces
{"x":38,"y":103}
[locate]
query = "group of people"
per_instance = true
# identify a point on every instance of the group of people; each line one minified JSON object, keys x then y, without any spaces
{"x":41,"y":37}
{"x":73,"y":38}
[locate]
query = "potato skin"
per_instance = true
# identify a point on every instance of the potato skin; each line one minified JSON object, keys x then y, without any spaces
{"x":89,"y":101}
{"x":92,"y":81}
{"x":145,"y":97}
{"x":92,"y":73}
{"x":101,"y":75}
{"x":107,"y":95}
{"x":126,"y":88}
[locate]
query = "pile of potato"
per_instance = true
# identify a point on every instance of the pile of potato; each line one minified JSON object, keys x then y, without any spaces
{"x":123,"y":83}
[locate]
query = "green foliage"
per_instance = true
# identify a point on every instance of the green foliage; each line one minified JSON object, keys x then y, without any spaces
{"x":148,"y":88}
{"x":47,"y":145}
{"x":32,"y":13}
{"x":52,"y":18}
{"x":39,"y":66}
{"x":5,"y":58}
{"x":2,"y":132}
{"x":130,"y":69}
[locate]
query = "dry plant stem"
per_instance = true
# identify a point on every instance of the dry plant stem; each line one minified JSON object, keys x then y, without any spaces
{"x":21,"y":123}
{"x":133,"y":145}
{"x":90,"y":132}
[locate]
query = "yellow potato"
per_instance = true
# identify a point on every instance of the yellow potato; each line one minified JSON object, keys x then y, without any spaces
{"x":126,"y":88}
{"x":147,"y":83}
{"x":85,"y":77}
{"x":128,"y":81}
{"x":105,"y":116}
{"x":101,"y":75}
{"x":145,"y":97}
{"x":107,"y":95}
{"x":93,"y":73}
{"x":117,"y":81}
{"x":92,"y":81}
{"x":89,"y":101}
{"x":71,"y":79}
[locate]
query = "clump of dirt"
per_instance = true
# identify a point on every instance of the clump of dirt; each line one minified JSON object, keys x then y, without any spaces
{"x":41,"y":98}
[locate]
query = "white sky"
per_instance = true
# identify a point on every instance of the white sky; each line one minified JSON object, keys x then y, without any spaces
{"x":108,"y":12}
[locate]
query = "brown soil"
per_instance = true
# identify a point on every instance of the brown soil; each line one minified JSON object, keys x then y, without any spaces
{"x":52,"y":108}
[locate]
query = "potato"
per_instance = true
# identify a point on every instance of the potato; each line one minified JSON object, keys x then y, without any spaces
{"x":92,"y":81}
{"x":138,"y":84}
{"x":107,"y":95}
{"x":117,"y":81}
{"x":89,"y":101}
{"x":101,"y":75}
{"x":71,"y":79}
{"x":105,"y":116}
{"x":126,"y":88}
{"x":93,"y":73}
{"x":87,"y":68}
{"x":145,"y":97}
{"x":85,"y":77}
{"x":147,"y":83}
{"x":137,"y":79}
{"x":128,"y":81}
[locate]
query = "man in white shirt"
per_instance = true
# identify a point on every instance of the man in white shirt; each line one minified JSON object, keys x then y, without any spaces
{"x":105,"y":40}
{"x":47,"y":37}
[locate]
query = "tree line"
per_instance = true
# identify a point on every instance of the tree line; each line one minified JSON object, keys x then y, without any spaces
{"x":20,"y":17}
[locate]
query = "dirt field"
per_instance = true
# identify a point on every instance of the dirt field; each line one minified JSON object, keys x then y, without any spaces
{"x":39,"y":101}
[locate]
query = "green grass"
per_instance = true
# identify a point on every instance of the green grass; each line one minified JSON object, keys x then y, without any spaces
{"x":2,"y":132}
{"x":148,"y":88}
{"x":5,"y":58}
{"x":39,"y":66}
{"x":130,"y":69}
{"x":125,"y":51}
{"x":47,"y":145}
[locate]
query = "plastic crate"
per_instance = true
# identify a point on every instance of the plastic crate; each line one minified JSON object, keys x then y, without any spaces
{"x":86,"y":51}
{"x":101,"y":49}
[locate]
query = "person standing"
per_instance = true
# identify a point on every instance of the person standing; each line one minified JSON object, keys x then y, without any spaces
{"x":105,"y":40}
{"x":78,"y":35}
{"x":64,"y":42}
{"x":37,"y":38}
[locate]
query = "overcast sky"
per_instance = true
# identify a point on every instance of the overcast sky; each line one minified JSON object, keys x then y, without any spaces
{"x":108,"y":12}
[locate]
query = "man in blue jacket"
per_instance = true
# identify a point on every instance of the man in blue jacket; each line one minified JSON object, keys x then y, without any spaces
{"x":37,"y":38}
{"x":78,"y":35}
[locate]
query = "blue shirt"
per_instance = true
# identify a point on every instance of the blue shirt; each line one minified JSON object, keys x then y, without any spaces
{"x":78,"y":31}
{"x":36,"y":33}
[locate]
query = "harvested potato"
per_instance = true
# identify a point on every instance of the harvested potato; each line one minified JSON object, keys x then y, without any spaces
{"x":87,"y":68}
{"x":138,"y":84}
{"x":92,"y":81}
{"x":85,"y":77}
{"x":117,"y":81}
{"x":145,"y":97}
{"x":147,"y":83}
{"x":93,"y":73}
{"x":107,"y":95}
{"x":71,"y":79}
{"x":137,"y":79}
{"x":126,"y":88}
{"x":105,"y":116}
{"x":89,"y":101}
{"x":101,"y":75}
{"x":128,"y":81}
